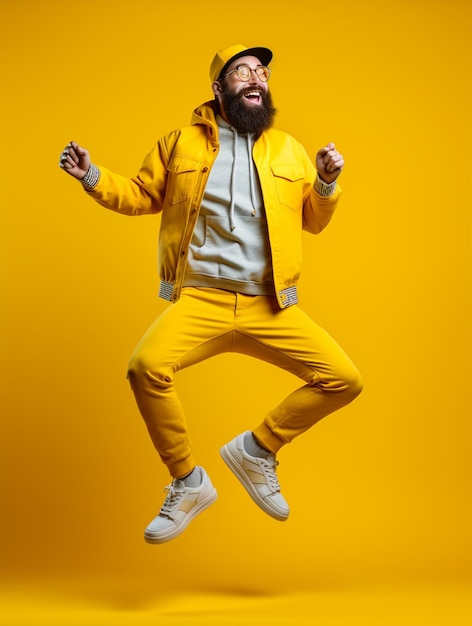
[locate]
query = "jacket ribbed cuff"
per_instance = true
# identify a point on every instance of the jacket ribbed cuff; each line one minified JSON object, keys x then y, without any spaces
{"x":324,"y":189}
{"x":92,"y":176}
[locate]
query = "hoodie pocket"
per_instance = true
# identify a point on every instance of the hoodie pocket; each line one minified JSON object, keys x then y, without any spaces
{"x":289,"y":185}
{"x":181,"y":178}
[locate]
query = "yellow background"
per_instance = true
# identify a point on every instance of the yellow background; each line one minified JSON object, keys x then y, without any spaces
{"x":379,"y":492}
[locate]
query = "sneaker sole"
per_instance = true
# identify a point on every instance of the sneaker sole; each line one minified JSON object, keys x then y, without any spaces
{"x":241,"y":475}
{"x":199,"y":508}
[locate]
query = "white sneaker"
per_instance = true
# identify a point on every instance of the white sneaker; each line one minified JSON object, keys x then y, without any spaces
{"x":258,"y":476}
{"x":181,"y":505}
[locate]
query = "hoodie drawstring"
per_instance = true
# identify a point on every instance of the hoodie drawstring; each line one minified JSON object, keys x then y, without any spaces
{"x":251,"y":174}
{"x":233,"y":176}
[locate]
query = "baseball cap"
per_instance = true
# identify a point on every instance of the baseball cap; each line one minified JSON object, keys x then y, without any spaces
{"x":225,"y":56}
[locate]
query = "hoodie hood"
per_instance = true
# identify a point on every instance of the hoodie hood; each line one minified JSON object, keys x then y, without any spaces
{"x":205,"y":115}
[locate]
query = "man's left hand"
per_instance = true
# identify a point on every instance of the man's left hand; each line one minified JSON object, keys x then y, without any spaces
{"x":329,"y":163}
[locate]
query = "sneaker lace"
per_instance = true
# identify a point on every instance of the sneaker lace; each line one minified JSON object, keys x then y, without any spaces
{"x":175,"y":494}
{"x":269,"y":467}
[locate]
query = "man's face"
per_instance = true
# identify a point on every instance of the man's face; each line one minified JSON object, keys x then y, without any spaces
{"x":245,"y":105}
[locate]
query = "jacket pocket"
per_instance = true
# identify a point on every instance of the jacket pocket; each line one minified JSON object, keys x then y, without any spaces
{"x":182,"y":174}
{"x":289,"y":184}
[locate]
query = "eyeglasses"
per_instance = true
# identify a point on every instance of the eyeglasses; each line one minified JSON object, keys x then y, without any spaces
{"x":244,"y":73}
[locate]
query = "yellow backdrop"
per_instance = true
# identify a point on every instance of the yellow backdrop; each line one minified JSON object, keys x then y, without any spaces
{"x":380,"y":492}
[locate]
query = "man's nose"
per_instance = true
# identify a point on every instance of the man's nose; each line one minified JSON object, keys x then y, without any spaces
{"x":254,"y":78}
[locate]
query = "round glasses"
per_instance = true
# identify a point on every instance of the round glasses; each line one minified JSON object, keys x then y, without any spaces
{"x":244,"y":73}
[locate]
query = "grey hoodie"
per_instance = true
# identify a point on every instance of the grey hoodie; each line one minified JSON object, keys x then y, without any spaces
{"x":230,"y":246}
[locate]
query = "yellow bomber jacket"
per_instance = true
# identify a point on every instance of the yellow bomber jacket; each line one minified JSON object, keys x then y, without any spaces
{"x":172,"y":181}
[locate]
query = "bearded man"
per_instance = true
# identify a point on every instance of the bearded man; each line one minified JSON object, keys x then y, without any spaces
{"x":234,"y":194}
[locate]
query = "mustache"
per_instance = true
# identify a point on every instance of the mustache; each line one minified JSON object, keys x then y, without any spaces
{"x":246,"y":90}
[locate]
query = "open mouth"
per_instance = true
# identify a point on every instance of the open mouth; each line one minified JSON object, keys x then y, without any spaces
{"x":254,"y":96}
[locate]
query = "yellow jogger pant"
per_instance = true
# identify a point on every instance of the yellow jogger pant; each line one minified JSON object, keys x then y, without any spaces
{"x":206,"y":322}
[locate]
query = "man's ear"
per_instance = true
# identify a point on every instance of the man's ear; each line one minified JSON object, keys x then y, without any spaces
{"x":216,"y":87}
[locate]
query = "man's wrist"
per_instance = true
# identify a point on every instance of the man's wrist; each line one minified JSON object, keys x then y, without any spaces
{"x":92,"y":177}
{"x":324,"y":189}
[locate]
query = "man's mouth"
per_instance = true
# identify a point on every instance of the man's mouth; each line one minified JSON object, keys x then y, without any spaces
{"x":254,"y":96}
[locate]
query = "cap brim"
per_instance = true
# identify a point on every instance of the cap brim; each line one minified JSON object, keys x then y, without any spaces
{"x":263,"y":54}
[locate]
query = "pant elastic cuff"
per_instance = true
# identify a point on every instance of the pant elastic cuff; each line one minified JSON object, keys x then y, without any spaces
{"x":182,"y":468}
{"x":267,"y":439}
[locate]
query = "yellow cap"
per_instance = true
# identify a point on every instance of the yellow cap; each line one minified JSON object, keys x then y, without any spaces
{"x":225,"y":56}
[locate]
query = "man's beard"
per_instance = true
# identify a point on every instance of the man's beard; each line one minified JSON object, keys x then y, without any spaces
{"x":246,"y":118}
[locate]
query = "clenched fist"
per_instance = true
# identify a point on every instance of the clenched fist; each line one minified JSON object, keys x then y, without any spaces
{"x":75,"y":160}
{"x":329,"y":163}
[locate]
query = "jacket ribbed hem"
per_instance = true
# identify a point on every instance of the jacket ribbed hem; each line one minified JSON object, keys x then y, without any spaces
{"x":288,"y":296}
{"x":166,"y":290}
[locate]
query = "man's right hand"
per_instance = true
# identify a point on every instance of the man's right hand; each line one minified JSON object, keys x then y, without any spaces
{"x":75,"y":160}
